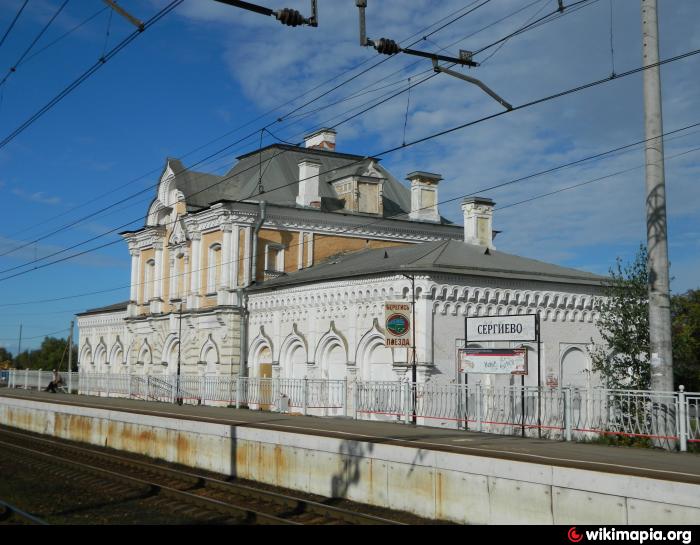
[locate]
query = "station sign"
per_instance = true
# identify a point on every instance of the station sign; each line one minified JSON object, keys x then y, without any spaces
{"x":507,"y":361}
{"x":397,"y":322}
{"x":502,"y":328}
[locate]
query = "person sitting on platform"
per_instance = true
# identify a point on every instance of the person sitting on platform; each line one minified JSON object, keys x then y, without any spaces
{"x":57,"y":381}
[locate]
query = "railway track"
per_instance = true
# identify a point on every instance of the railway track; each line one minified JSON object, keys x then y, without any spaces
{"x":205,"y":498}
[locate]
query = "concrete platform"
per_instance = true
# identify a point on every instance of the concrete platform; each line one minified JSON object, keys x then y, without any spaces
{"x":448,"y":474}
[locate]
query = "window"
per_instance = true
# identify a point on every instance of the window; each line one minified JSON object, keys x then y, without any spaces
{"x":179,"y":276}
{"x":274,"y":258}
{"x":214,"y":268}
{"x":148,"y":279}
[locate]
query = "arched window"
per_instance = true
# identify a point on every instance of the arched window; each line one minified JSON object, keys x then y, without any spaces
{"x":148,"y":278}
{"x":214,"y":268}
{"x":179,"y":276}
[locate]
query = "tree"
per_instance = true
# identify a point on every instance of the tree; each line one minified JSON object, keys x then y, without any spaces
{"x":623,"y":358}
{"x":5,"y":358}
{"x":52,"y":354}
{"x":685,"y":316}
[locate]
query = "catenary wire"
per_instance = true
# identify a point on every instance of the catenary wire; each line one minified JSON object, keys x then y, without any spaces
{"x":14,"y":67}
{"x":481,"y":190}
{"x":254,"y":132}
{"x":414,"y":142}
{"x":89,"y":72}
{"x":12,"y":24}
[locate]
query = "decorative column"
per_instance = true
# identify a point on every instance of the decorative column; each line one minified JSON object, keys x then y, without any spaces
{"x":195,"y":272}
{"x":300,"y":250}
{"x":157,"y":305}
{"x":222,"y":290}
{"x":133,"y":295}
{"x":225,"y":278}
{"x":235,"y":255}
{"x":246,"y":252}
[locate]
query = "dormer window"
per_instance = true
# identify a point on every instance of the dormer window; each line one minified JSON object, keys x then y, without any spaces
{"x":363,"y":191}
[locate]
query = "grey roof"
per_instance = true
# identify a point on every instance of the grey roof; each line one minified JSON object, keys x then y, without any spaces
{"x":200,"y":188}
{"x":449,"y":256}
{"x":109,"y":308}
{"x":279,"y":164}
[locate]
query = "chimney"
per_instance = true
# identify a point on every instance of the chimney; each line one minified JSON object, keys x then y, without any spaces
{"x":424,"y":196}
{"x":309,"y":183}
{"x":478,"y":221}
{"x":322,"y":139}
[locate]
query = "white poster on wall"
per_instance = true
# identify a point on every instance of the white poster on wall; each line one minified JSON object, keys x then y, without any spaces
{"x":502,"y":328}
{"x":508,"y":361}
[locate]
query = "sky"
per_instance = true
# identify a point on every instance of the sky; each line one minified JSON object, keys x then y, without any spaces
{"x":207,"y":77}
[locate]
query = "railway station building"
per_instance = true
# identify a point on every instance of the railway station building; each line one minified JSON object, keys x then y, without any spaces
{"x":281,"y":268}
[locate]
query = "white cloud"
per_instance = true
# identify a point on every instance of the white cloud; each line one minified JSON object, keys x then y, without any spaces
{"x":580,"y":227}
{"x":37,"y":196}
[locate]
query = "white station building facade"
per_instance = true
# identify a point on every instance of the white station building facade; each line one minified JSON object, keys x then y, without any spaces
{"x":282,"y":267}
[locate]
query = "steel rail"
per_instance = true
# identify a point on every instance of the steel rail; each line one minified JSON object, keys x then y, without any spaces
{"x":297,"y":506}
{"x":210,"y":504}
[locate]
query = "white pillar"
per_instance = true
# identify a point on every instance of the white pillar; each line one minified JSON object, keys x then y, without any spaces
{"x":310,"y":252}
{"x":225,"y":281}
{"x":246,"y":261}
{"x":235,"y":255}
{"x":195,"y":272}
{"x":133,"y":295}
{"x":158,"y":278}
{"x":300,"y":250}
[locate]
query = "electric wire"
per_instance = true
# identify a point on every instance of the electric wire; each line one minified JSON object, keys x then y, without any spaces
{"x":27,"y":243}
{"x":414,"y":142}
{"x":12,"y":24}
{"x":594,"y":180}
{"x":66,"y":34}
{"x":379,"y":220}
{"x":242,"y":126}
{"x":16,"y":65}
{"x":89,"y":72}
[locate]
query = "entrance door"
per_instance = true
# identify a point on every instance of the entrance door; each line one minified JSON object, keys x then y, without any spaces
{"x":265,"y":374}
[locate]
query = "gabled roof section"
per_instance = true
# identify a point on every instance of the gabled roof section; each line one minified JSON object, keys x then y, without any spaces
{"x":449,"y":256}
{"x":116,"y":307}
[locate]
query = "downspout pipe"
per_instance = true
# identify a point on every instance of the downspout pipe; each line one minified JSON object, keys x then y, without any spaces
{"x":256,"y":230}
{"x":243,"y":305}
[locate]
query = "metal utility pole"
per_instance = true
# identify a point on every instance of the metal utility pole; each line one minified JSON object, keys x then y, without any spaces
{"x":657,"y":245}
{"x":179,"y":347}
{"x":70,"y":348}
{"x":414,"y":375}
{"x":19,"y":343}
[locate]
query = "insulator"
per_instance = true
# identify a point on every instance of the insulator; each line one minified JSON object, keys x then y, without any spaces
{"x":387,"y":46}
{"x":290,"y":17}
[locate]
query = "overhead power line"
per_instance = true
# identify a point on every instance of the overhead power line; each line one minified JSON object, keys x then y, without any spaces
{"x":109,"y":290}
{"x":89,"y":72}
{"x":379,"y":220}
{"x":13,"y":68}
{"x":227,"y":147}
{"x":12,"y":24}
{"x":391,"y":150}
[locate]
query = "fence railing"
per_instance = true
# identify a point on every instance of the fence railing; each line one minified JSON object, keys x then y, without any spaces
{"x":670,"y":419}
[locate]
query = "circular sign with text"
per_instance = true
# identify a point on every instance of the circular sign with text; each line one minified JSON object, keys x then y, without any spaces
{"x":397,"y":325}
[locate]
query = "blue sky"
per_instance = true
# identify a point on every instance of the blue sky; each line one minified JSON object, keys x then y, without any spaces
{"x":207,"y":68}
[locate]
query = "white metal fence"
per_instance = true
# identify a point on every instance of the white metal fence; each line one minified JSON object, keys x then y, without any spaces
{"x":669,"y":418}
